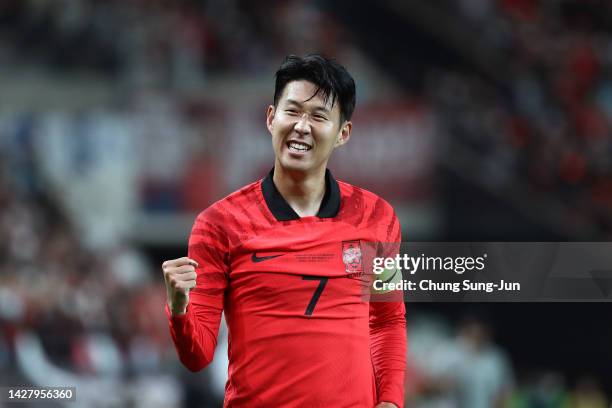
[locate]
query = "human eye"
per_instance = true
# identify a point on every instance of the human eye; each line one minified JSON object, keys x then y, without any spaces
{"x":320,"y":117}
{"x":291,"y":111}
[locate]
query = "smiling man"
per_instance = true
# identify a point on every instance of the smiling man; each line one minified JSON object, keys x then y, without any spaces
{"x":283,"y":258}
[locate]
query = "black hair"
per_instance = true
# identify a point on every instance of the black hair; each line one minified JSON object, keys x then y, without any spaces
{"x":331,"y":78}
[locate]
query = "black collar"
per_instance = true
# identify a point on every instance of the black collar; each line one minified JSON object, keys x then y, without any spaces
{"x":282,"y":211}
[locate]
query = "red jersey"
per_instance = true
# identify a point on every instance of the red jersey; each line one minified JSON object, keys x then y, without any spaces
{"x":300,"y":332}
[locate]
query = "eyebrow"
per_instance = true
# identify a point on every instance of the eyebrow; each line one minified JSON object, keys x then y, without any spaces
{"x":317,"y":108}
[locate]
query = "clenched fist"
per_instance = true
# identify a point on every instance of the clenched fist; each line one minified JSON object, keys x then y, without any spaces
{"x":180,"y":277}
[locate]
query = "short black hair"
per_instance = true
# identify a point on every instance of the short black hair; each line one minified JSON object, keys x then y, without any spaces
{"x":331,"y":78}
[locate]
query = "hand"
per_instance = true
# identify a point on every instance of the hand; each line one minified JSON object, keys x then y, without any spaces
{"x":386,"y":405}
{"x":180,"y":277}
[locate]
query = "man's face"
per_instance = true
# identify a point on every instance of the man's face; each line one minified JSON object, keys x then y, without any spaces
{"x":305,"y":130}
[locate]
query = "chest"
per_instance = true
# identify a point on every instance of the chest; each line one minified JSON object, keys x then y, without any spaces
{"x":304,"y":271}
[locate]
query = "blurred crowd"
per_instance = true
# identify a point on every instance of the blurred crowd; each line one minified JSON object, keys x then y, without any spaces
{"x":81,"y":304}
{"x":172,"y":43}
{"x":543,"y":122}
{"x":461,"y":365}
{"x":71,"y":315}
{"x":538,"y":127}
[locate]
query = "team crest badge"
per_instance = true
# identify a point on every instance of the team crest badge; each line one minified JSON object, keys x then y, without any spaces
{"x":351,"y":256}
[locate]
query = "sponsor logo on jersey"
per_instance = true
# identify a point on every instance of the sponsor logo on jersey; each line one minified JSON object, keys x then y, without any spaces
{"x":257,"y":259}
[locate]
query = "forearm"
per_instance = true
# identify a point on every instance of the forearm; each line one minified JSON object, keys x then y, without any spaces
{"x":388,"y":350}
{"x":194,"y":335}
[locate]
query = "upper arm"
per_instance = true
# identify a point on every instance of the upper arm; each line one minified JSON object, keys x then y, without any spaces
{"x":209,"y":246}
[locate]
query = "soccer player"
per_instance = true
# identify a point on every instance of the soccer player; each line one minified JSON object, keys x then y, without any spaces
{"x":282,"y":257}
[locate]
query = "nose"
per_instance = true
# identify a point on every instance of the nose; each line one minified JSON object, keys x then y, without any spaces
{"x":302,"y":126}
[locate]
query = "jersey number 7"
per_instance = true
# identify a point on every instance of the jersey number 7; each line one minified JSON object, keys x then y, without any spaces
{"x":316,"y":294}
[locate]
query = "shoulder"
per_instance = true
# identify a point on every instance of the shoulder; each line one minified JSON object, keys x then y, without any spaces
{"x":232,"y":205}
{"x":367,"y":210}
{"x":361,"y":199}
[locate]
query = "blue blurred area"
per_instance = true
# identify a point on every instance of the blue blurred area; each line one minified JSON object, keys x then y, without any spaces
{"x":120,"y":120}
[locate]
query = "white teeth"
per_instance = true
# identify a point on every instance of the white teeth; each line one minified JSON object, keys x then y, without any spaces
{"x":300,"y":147}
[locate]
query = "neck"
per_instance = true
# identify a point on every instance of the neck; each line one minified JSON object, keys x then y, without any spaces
{"x":303,"y":192}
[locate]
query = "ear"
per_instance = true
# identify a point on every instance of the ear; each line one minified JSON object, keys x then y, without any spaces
{"x":345,"y":134}
{"x":270,"y":117}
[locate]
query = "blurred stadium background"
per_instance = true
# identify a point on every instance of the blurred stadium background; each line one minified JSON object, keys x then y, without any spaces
{"x":120,"y":119}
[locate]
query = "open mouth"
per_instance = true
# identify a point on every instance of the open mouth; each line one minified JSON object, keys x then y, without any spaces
{"x":298,"y":147}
